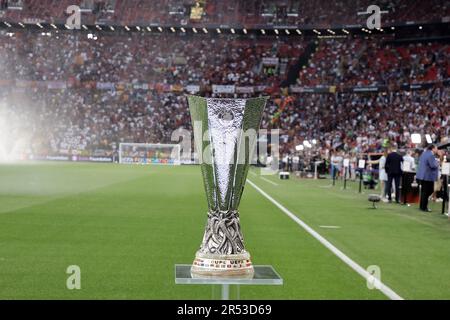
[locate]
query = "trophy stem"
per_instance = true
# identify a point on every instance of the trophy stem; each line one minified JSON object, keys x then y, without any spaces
{"x":222,"y":252}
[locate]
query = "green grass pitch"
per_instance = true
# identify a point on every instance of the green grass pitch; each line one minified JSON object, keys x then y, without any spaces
{"x":126,"y":227}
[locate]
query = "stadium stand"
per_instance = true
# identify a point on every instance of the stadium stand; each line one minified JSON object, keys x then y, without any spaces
{"x":250,"y":13}
{"x":85,"y":92}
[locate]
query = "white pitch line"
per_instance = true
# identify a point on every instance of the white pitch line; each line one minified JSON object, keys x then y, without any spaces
{"x":330,"y":227}
{"x":271,"y":182}
{"x":352,"y":264}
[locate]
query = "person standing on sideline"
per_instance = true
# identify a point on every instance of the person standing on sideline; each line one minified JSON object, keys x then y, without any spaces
{"x":289,"y":163}
{"x":353,"y":166}
{"x":409,"y":163}
{"x":336,"y":161}
{"x":296,"y":162}
{"x":427,"y":174}
{"x":383,"y":175}
{"x":393,"y":168}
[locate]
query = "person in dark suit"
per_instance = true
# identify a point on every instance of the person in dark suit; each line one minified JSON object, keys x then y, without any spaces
{"x":393,"y":169}
{"x":428,"y":174}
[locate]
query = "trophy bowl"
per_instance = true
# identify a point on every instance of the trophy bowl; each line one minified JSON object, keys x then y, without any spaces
{"x":225,"y":134}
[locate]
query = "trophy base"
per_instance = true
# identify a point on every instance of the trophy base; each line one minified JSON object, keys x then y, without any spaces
{"x":226,"y":266}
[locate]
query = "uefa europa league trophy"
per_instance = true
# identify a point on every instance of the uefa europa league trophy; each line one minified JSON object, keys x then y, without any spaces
{"x":225,"y":132}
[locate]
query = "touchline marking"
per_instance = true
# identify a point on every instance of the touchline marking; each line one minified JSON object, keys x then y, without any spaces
{"x":330,"y":227}
{"x":271,"y":182}
{"x":352,"y":264}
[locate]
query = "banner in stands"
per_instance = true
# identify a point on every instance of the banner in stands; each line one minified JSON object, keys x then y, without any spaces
{"x":318,"y":89}
{"x":56,"y":85}
{"x":192,"y":88}
{"x":223,"y":88}
{"x":368,"y":89}
{"x":26,"y":83}
{"x":140,"y":86}
{"x":180,"y":60}
{"x":260,"y":88}
{"x":5,"y":83}
{"x":245,"y":89}
{"x":423,"y":86}
{"x":176,"y":88}
{"x":270,"y":61}
{"x":105,"y":85}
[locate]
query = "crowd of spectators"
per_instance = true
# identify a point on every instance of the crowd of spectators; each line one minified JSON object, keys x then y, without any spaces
{"x":92,"y":121}
{"x":356,"y":62}
{"x":206,"y":60}
{"x":75,"y":118}
{"x":52,"y":122}
{"x":361,"y":123}
{"x":135,"y":57}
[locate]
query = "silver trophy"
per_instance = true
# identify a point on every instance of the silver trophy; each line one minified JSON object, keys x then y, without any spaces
{"x":225,"y":134}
